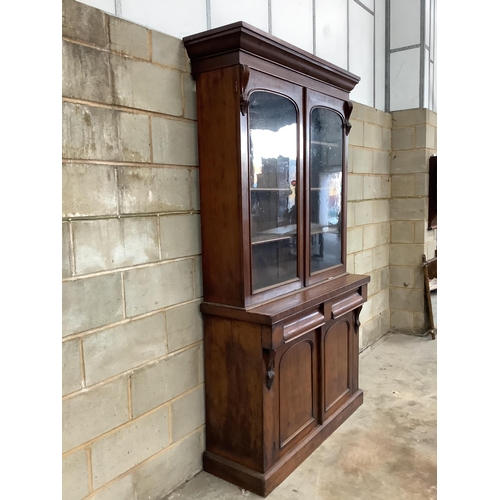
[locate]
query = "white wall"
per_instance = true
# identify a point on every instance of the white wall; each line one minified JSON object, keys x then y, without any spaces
{"x":348,"y":33}
{"x":412,"y":54}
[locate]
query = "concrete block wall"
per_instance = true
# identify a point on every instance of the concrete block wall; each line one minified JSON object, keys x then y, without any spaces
{"x":368,"y":215}
{"x":133,"y":394}
{"x":414,"y":133}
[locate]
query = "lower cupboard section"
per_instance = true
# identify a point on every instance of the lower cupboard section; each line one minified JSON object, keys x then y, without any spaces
{"x":267,"y":410}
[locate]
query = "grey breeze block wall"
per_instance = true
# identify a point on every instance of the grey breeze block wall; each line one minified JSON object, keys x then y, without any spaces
{"x":133,"y":396}
{"x":368,"y":223}
{"x":133,"y":405}
{"x":414,"y":138}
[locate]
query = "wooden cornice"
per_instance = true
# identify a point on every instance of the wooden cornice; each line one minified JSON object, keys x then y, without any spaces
{"x":227,"y":45}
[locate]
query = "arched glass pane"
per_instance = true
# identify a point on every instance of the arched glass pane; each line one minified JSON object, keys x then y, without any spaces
{"x":273,"y":174}
{"x":325,"y":189}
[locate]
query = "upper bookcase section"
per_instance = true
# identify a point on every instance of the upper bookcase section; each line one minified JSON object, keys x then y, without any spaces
{"x":273,"y":123}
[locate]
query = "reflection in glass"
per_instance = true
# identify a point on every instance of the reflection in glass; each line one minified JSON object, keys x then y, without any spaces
{"x":273,"y":173}
{"x":326,"y":189}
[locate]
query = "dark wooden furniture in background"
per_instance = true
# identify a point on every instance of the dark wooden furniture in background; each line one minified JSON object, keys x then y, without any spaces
{"x":281,"y":314}
{"x":432,"y":192}
{"x":430,"y":285}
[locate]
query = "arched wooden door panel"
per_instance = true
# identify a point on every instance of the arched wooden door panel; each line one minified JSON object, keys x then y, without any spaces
{"x":337,"y":366}
{"x":298,"y":391}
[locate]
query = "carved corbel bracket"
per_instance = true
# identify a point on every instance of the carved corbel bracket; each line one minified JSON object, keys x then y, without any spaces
{"x":347,"y":112}
{"x":269,"y":356}
{"x":244,"y":77}
{"x":357,"y":323}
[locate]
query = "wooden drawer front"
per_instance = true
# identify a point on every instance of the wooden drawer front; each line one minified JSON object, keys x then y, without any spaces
{"x":347,"y":303}
{"x":297,"y":389}
{"x":336,"y":359}
{"x":303,"y":325}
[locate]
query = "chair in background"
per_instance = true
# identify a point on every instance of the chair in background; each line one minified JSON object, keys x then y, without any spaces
{"x":430,"y":285}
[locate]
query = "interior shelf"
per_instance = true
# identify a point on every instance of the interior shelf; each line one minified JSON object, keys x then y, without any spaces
{"x":328,"y":144}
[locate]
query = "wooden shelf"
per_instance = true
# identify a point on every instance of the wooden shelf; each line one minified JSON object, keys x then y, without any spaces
{"x":275,"y":234}
{"x":259,"y":240}
{"x":331,"y":230}
{"x":270,"y":189}
{"x":328,"y":144}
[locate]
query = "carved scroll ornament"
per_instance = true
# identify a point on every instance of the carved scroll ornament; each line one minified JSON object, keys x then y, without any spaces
{"x":269,"y":356}
{"x":244,"y":77}
{"x":347,"y":112}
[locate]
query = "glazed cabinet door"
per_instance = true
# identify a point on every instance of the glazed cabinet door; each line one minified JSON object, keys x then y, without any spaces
{"x":339,"y":364}
{"x":296,"y":401}
{"x":325,"y":181}
{"x":272,"y":128}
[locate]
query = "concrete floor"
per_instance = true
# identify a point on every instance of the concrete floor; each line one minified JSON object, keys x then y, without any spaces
{"x":386,"y":450}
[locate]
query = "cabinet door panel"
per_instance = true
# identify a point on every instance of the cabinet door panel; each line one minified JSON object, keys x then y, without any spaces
{"x":325,"y":187}
{"x":272,"y":198}
{"x":273,"y":125}
{"x":336,"y":352}
{"x":297,"y":390}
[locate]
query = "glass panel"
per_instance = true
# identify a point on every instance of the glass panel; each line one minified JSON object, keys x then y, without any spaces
{"x":273,"y":174}
{"x":326,"y":189}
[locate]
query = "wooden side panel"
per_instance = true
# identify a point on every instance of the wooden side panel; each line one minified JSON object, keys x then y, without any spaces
{"x":336,"y":364}
{"x":297,"y":389}
{"x":218,"y":116}
{"x":234,"y":383}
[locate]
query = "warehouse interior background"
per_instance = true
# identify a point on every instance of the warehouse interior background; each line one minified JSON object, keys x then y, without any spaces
{"x":467,"y":187}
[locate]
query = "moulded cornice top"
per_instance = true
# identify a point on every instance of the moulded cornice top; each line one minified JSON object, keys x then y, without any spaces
{"x":207,"y":50}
